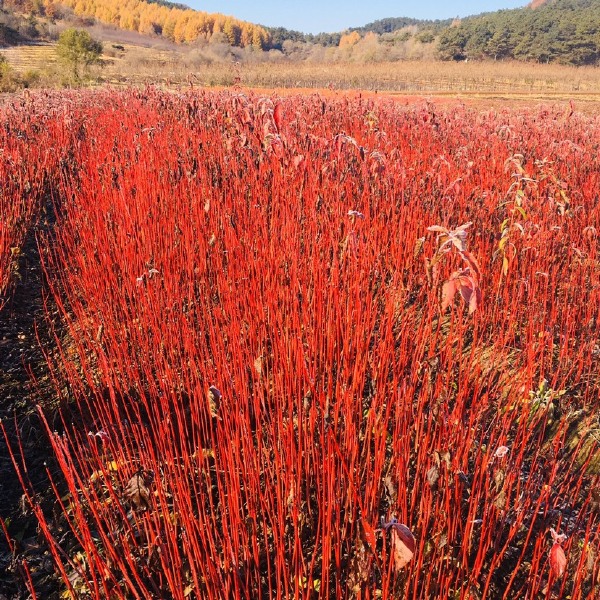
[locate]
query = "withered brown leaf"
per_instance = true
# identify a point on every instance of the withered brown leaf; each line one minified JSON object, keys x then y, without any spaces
{"x":214,"y":400}
{"x":403,"y":545}
{"x":137,"y":490}
{"x":433,"y":475}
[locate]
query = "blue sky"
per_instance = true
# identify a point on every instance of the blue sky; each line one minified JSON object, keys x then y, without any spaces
{"x":314,"y":16}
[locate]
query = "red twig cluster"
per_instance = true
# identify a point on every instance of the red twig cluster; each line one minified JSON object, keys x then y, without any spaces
{"x":257,"y":368}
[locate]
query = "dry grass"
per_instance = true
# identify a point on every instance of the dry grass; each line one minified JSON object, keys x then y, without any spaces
{"x":145,"y":64}
{"x":428,"y":76}
{"x":30,"y":57}
{"x":138,"y":65}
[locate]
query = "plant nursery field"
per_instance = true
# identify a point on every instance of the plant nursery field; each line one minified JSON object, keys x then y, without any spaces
{"x":301,"y":346}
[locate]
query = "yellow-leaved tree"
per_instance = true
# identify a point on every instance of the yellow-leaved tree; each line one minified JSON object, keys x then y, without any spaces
{"x":176,"y":24}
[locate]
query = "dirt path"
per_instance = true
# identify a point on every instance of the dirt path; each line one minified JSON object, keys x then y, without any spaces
{"x":20,"y":357}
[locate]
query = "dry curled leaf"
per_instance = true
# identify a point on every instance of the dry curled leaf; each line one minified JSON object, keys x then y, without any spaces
{"x":501,"y":451}
{"x":433,"y":475}
{"x":500,"y":500}
{"x":356,"y":214}
{"x":499,"y":477}
{"x":445,"y":457}
{"x":402,"y":543}
{"x":590,"y":558}
{"x":137,"y":490}
{"x":391,"y":489}
{"x":557,"y":538}
{"x":214,"y":400}
{"x":418,"y":246}
{"x":258,"y":365}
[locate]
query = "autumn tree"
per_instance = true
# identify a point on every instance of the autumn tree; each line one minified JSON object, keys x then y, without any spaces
{"x":233,"y":32}
{"x":172,"y":21}
{"x":349,"y":39}
{"x":78,"y":50}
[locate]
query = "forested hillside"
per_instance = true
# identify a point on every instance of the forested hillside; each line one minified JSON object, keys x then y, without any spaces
{"x":565,"y":31}
{"x":561,"y":31}
{"x":392,"y":24}
{"x":379,"y":27}
{"x":174,"y":22}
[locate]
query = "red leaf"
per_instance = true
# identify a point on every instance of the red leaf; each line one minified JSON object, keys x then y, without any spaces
{"x":558,"y":561}
{"x":467,"y":287}
{"x":461,"y":281}
{"x":403,"y":545}
{"x":475,"y":300}
{"x":473,"y":264}
{"x":449,"y":290}
{"x":278,"y":116}
{"x":470,"y":292}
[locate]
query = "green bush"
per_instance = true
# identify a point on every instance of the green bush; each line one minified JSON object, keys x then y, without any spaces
{"x":31,"y":78}
{"x":427,"y":37}
{"x":78,"y":51}
{"x":9,"y":81}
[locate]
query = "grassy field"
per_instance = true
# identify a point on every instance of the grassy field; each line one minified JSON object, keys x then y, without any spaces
{"x":139,"y":65}
{"x":30,"y":57}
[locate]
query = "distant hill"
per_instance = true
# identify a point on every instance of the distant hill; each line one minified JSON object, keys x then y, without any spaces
{"x":173,"y":21}
{"x":390,"y":25}
{"x":10,"y":35}
{"x":564,"y":31}
{"x":279,"y":35}
{"x":16,"y":27}
{"x":380,"y":27}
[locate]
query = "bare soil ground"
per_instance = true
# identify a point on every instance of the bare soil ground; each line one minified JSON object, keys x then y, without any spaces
{"x":22,"y":337}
